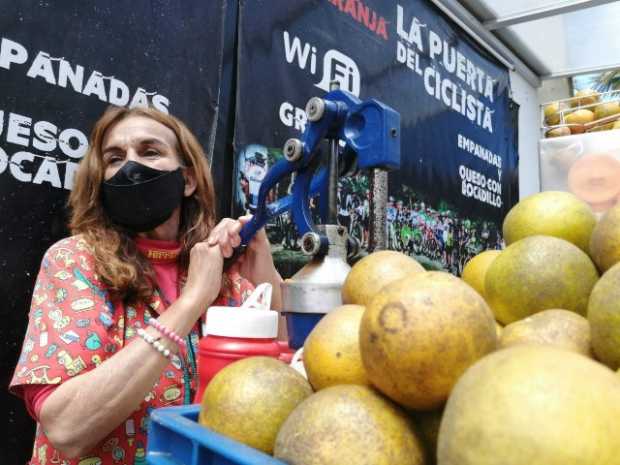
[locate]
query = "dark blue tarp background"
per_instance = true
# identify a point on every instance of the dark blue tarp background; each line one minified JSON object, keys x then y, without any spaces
{"x":273,"y":80}
{"x":206,"y":56}
{"x":173,"y":48}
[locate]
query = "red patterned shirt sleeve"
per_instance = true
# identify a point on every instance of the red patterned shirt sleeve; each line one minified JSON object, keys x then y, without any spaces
{"x":235,"y":289}
{"x":70,"y":320}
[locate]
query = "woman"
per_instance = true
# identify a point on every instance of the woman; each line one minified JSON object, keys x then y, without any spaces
{"x":115,"y":314}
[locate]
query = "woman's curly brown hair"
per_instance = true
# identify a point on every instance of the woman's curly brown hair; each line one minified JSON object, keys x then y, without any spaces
{"x":119,"y":264}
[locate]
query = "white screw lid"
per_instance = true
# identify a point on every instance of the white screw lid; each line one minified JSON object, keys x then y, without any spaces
{"x":252,"y":320}
{"x":239,"y":322}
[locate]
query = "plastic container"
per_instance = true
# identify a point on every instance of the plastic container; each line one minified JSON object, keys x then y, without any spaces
{"x":299,"y":326}
{"x":216,"y":352}
{"x":233,"y":333}
{"x":286,"y":353}
{"x":588,"y":165}
{"x":176,"y":438}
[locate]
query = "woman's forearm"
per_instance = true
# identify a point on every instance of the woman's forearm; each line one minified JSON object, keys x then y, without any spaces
{"x":276,"y":293}
{"x":85,"y":409}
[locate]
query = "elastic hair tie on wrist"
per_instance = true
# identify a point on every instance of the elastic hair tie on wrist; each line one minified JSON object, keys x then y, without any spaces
{"x":154,"y":342}
{"x":174,"y":337}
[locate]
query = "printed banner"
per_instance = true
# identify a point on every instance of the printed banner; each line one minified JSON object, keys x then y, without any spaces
{"x":458,"y":144}
{"x":61,"y":65}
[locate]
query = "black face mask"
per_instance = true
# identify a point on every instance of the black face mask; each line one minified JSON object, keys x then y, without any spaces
{"x":140,"y":198}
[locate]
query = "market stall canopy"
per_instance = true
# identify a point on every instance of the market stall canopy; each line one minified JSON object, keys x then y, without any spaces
{"x":544,"y":39}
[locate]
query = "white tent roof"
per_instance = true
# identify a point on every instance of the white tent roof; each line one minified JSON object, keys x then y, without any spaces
{"x":544,"y":38}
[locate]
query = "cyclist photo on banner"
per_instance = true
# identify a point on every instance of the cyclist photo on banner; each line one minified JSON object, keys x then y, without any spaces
{"x":253,"y":165}
{"x":439,"y":234}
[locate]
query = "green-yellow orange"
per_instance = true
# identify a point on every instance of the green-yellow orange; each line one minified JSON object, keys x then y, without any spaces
{"x":555,"y":327}
{"x":579,"y":117}
{"x":605,"y":240}
{"x":373,"y":272}
{"x":532,"y":405}
{"x":604,"y":317}
{"x":558,"y":132}
{"x":551,"y":213}
{"x":552,"y":115}
{"x":332,"y":350}
{"x":475,"y":269}
{"x":419,"y":334}
{"x":539,"y":273}
{"x":585,"y":97}
{"x":348,"y":424}
{"x":606,"y":109}
{"x":249,"y":400}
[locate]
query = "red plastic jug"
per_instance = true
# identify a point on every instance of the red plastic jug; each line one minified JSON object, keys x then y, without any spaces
{"x":233,"y":334}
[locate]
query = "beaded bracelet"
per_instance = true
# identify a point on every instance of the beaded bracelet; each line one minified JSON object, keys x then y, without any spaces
{"x":167,"y":332}
{"x":155,"y":343}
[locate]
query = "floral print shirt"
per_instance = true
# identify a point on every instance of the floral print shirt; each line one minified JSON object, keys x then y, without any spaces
{"x":74,"y":326}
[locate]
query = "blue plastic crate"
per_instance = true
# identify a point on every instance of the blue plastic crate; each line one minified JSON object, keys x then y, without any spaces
{"x":176,"y":438}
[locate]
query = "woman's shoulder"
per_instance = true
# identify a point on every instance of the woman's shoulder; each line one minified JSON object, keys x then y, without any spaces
{"x":76,"y":242}
{"x":70,"y":250}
